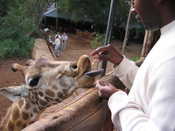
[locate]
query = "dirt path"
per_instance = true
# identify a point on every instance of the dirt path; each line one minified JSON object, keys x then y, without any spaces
{"x":78,"y":45}
{"x":8,"y":78}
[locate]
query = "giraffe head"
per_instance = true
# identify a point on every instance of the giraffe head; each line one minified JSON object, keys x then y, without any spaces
{"x":42,"y":69}
{"x":56,"y":76}
{"x":29,"y":69}
{"x":47,"y":83}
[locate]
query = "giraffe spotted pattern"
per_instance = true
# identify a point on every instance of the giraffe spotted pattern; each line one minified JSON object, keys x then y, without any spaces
{"x":46,"y":83}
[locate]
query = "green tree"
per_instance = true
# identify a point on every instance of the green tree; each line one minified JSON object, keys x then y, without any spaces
{"x":4,"y":7}
{"x":19,"y":20}
{"x":93,"y":10}
{"x":86,"y":9}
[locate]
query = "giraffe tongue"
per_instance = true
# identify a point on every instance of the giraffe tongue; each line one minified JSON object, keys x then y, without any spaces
{"x":94,"y":73}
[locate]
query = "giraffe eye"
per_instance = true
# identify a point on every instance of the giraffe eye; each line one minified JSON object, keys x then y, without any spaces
{"x":34,"y":81}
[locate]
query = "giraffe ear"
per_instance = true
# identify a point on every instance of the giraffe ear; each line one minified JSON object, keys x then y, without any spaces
{"x":14,"y":93}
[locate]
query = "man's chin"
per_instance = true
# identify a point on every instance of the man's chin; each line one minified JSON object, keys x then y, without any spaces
{"x":151,"y":27}
{"x":147,"y":24}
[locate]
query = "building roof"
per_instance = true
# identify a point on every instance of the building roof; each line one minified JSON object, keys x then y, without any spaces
{"x":53,"y":12}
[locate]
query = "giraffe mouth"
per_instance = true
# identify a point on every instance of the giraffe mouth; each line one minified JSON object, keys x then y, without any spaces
{"x":84,"y":67}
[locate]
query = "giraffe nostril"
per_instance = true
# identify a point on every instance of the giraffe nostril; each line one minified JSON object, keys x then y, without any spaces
{"x":34,"y":81}
{"x":13,"y":69}
{"x":74,"y":66}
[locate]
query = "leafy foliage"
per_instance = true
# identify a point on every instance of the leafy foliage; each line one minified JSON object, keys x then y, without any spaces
{"x":18,"y":21}
{"x":86,"y":9}
{"x":13,"y":33}
{"x":96,"y":11}
{"x":135,"y":58}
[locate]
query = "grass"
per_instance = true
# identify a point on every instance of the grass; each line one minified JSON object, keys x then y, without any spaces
{"x":135,"y":58}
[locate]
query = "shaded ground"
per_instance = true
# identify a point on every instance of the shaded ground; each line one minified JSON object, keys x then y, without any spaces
{"x":78,"y":45}
{"x":8,"y":78}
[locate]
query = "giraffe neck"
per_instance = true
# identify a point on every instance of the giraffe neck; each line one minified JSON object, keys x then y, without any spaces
{"x":46,"y":96}
{"x":26,"y":110}
{"x":20,"y":114}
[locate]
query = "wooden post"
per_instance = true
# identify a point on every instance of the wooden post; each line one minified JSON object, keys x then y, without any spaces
{"x":150,"y":39}
{"x":147,"y":42}
{"x":126,"y":31}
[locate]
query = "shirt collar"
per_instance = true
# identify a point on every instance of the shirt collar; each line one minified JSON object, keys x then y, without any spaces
{"x":168,"y":27}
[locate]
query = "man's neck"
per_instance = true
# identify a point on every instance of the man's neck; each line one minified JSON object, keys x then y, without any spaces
{"x":167,"y":16}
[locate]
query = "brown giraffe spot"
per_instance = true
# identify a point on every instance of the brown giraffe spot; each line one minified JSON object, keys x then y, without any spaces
{"x":50,"y":93}
{"x":36,"y":96}
{"x":10,"y":126}
{"x":33,"y":102}
{"x":58,"y":100}
{"x":33,"y":98}
{"x":55,"y":87}
{"x":19,"y":123}
{"x":65,"y":91}
{"x":31,"y":115}
{"x":23,"y":125}
{"x":15,"y":115}
{"x":20,"y":103}
{"x":48,"y":99}
{"x":62,"y":83}
{"x":60,"y":94}
{"x":27,"y":106}
{"x":41,"y":94}
{"x":42,"y":102}
{"x":35,"y":110}
{"x":25,"y":115}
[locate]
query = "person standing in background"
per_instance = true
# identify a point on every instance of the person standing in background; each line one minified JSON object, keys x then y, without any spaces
{"x":65,"y":40}
{"x":57,"y":45}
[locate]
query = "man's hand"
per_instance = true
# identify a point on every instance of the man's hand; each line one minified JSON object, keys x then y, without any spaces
{"x":105,"y":89}
{"x":107,"y":53}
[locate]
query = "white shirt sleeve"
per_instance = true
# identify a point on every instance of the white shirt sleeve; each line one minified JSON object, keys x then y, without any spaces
{"x":126,"y":72}
{"x":130,"y":116}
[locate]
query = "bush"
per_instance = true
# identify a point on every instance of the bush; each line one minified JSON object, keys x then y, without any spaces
{"x":20,"y":48}
{"x":15,"y":27}
{"x":97,"y":41}
{"x":135,"y":58}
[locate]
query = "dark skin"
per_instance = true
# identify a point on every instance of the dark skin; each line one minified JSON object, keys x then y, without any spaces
{"x":154,"y":14}
{"x":107,"y":53}
{"x":105,"y":89}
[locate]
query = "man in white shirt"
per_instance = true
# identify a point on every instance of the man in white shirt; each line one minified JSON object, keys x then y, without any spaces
{"x":150,"y":104}
{"x":65,"y":40}
{"x":57,"y":46}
